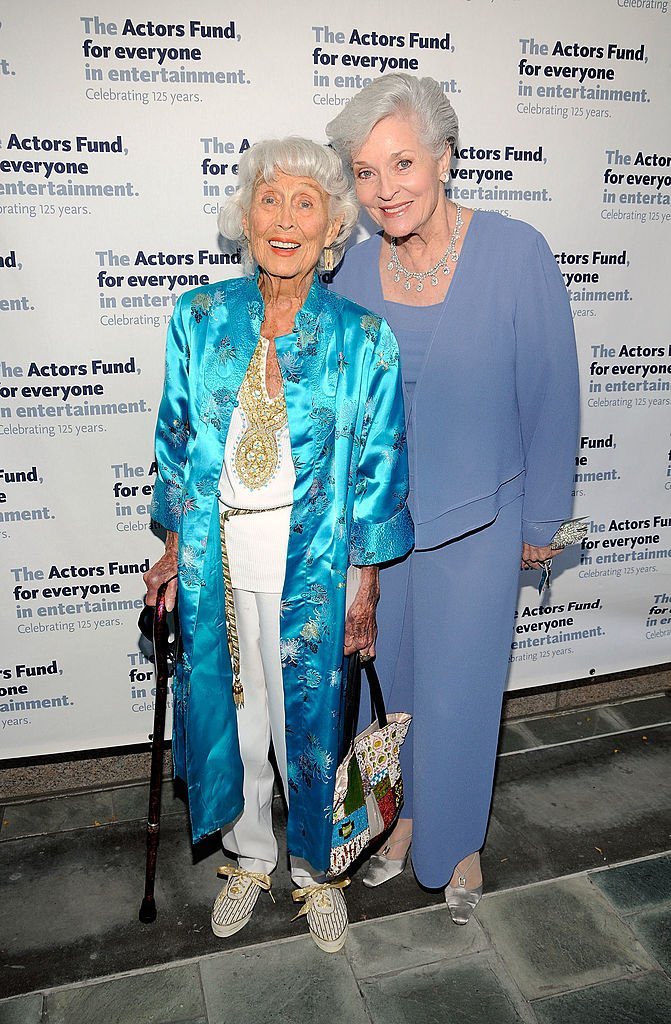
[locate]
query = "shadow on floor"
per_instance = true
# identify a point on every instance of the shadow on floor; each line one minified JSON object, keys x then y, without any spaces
{"x":73,"y":866}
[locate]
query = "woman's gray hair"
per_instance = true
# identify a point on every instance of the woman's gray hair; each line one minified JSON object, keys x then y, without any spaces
{"x":420,"y":98}
{"x":301,"y":158}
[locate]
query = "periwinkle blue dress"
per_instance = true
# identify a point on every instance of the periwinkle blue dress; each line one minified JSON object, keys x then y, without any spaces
{"x":491,"y":391}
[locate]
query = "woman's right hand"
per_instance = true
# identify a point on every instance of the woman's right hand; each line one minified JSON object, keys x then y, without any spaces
{"x":162,"y":571}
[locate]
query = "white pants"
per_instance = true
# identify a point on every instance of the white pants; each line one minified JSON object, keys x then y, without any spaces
{"x":251,"y":836}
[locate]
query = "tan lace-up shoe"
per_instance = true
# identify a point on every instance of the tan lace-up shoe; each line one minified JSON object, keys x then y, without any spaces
{"x":326,"y":912}
{"x":235,"y":903}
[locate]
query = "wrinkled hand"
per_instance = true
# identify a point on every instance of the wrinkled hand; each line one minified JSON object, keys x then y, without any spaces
{"x":361,"y":624}
{"x":532,"y":557}
{"x":160,"y":572}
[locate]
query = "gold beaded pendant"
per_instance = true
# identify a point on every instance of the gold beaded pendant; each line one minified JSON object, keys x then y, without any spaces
{"x":257,"y":454}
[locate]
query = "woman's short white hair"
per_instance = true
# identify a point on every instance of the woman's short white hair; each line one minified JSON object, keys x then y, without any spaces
{"x":301,"y":158}
{"x":421,"y":99}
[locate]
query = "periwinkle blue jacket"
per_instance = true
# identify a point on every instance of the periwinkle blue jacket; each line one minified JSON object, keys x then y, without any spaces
{"x":495,"y":408}
{"x":346,"y":421}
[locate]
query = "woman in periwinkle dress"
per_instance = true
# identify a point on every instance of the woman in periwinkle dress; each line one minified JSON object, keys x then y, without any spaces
{"x":489,"y":367}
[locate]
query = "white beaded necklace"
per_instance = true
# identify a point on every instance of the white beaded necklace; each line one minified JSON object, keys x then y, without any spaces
{"x":450,"y":255}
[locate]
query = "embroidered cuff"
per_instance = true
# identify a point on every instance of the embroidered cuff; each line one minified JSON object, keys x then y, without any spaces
{"x":375,"y":543}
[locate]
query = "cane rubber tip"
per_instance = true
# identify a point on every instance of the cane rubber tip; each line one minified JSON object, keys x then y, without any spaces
{"x":147,"y":911}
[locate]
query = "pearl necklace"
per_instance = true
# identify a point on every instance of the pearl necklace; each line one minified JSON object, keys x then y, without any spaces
{"x":450,"y":254}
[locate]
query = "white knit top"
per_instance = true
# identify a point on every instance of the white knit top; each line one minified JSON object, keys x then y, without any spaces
{"x":257,"y":543}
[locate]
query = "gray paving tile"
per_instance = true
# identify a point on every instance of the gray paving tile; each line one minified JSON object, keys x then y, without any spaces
{"x":578,"y":806}
{"x":560,"y":936}
{"x":57,"y":814}
{"x":397,"y":943}
{"x":469,"y":993}
{"x":653,"y":928}
{"x":51,"y":900}
{"x":515,"y":736}
{"x":577,"y":725}
{"x":510,"y":857}
{"x":286,"y":983}
{"x":639,"y":713}
{"x":552,"y":809}
{"x":402,"y":893}
{"x":131,"y":802}
{"x":22,"y":1010}
{"x":635,"y":886}
{"x":620,"y":1002}
{"x":70,"y":905}
{"x":88,"y":886}
{"x":160,"y":997}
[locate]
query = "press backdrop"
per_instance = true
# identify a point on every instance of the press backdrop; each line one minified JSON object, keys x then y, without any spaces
{"x":122,"y":128}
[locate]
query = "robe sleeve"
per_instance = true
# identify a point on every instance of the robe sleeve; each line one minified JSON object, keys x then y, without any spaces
{"x":382,"y":528}
{"x":547,"y":394}
{"x":172,"y":427}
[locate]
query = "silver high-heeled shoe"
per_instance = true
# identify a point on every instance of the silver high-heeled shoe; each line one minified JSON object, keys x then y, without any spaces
{"x":461,"y":902}
{"x":382,"y":869}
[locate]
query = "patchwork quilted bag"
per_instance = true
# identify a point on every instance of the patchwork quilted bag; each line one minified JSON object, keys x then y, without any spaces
{"x":368,"y":786}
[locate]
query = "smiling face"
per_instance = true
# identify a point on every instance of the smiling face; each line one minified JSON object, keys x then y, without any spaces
{"x":398,"y":179}
{"x":288,"y":225}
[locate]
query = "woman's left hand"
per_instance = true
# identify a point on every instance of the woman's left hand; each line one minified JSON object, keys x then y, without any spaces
{"x":532,"y":557}
{"x":360,"y":624}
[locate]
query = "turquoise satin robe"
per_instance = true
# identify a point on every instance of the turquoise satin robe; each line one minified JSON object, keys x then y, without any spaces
{"x":346,"y":421}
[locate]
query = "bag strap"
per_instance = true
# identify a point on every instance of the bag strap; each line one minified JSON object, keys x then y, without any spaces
{"x":353,"y":698}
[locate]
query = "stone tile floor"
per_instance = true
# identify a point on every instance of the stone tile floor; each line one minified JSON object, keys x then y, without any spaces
{"x":575,"y":926}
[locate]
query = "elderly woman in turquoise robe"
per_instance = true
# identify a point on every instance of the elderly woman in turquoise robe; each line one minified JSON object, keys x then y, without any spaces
{"x":280,"y":447}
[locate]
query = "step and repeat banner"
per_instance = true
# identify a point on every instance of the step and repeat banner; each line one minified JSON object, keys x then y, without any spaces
{"x":122,"y":128}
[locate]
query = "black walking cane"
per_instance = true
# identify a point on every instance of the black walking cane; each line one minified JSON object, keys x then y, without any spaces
{"x":154,"y":623}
